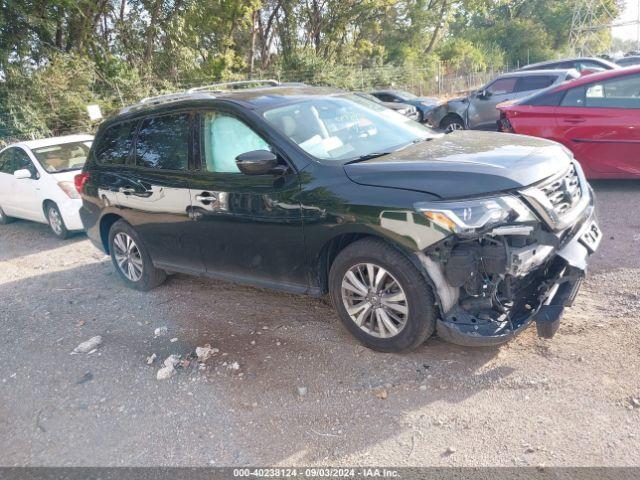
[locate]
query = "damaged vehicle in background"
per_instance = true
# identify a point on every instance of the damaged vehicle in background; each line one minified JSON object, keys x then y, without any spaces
{"x":405,"y":109}
{"x":422,"y":104}
{"x":315,"y":191}
{"x":477,"y":111}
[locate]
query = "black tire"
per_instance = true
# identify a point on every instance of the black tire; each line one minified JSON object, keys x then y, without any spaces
{"x":55,"y":220}
{"x":421,"y":317}
{"x":452,"y":123}
{"x":4,"y":219}
{"x":150,"y":276}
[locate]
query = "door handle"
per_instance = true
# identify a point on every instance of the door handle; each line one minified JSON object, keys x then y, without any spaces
{"x":574,"y":120}
{"x":206,"y":197}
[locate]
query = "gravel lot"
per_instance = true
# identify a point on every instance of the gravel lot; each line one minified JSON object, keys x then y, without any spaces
{"x":565,"y":401}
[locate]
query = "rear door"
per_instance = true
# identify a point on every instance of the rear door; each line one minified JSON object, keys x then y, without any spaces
{"x":249,"y":226}
{"x":154,"y":190}
{"x":600,"y":123}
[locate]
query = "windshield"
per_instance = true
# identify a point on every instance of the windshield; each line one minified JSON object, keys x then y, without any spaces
{"x":345,"y":128}
{"x":63,"y":157}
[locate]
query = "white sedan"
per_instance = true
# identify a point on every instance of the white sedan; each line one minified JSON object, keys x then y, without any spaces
{"x":36,"y":181}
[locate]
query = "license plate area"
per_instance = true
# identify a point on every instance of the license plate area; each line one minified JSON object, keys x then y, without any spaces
{"x":591,"y":237}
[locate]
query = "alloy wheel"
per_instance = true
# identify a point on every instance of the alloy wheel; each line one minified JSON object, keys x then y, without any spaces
{"x":452,"y":127}
{"x":55,"y":220}
{"x":127,"y":256}
{"x":375,"y":300}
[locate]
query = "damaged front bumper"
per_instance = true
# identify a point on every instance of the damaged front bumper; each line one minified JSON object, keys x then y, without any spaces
{"x":553,"y":285}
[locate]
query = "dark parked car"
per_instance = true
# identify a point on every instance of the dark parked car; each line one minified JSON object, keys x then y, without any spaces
{"x":584,"y":65}
{"x":422,"y":104}
{"x":405,"y":109}
{"x":477,"y":111}
{"x":309,"y":190}
{"x":629,"y":61}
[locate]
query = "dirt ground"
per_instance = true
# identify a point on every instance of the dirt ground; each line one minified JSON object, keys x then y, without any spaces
{"x":565,"y":401}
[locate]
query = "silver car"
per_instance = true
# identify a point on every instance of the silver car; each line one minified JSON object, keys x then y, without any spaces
{"x":477,"y":111}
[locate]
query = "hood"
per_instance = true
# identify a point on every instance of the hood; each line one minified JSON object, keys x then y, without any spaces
{"x":464,"y":164}
{"x":427,"y":100}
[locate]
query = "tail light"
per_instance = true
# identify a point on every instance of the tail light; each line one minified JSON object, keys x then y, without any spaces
{"x":80,"y":180}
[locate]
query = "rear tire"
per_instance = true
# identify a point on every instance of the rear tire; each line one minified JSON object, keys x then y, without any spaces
{"x":56,"y":223}
{"x":131,"y":259}
{"x":451,"y":123}
{"x":397,"y":313}
{"x":4,"y":219}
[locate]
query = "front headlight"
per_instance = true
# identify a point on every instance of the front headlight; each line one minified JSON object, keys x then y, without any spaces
{"x":467,"y":217}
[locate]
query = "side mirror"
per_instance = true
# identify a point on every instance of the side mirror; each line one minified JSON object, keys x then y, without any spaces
{"x":257,"y":162}
{"x":22,"y":173}
{"x":483,"y":94}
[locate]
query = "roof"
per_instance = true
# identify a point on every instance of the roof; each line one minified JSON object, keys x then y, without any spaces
{"x":47,"y":142}
{"x":261,"y":98}
{"x":526,"y":73}
{"x":594,"y":77}
{"x":590,"y":59}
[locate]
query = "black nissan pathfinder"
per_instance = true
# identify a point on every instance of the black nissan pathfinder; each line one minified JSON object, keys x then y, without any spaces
{"x":310,"y":190}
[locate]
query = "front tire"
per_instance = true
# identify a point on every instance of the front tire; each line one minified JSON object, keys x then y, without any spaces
{"x":131,"y":259}
{"x":381,"y":297}
{"x":451,"y":123}
{"x":56,"y":223}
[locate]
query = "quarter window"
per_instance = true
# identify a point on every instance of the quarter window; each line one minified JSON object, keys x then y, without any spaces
{"x":163,"y":142}
{"x":115,"y":145}
{"x":574,"y":98}
{"x":224,"y":138}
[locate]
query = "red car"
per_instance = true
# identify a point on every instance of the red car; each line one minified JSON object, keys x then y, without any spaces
{"x":597,"y":117}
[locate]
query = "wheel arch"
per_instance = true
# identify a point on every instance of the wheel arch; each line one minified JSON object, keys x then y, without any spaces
{"x":105,"y":225}
{"x":336,"y":244}
{"x":454,"y":116}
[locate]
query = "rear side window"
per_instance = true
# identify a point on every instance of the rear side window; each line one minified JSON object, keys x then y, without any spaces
{"x":114,"y":146}
{"x":535,"y":82}
{"x":163,"y":142}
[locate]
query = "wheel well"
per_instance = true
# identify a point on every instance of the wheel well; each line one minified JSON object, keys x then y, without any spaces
{"x":330,"y":251}
{"x":44,"y":206}
{"x":451,"y":116}
{"x":105,"y":225}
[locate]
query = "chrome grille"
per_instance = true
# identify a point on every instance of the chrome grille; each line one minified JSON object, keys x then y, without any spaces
{"x":564,"y":193}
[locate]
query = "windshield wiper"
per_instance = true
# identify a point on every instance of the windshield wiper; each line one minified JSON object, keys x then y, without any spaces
{"x":368,"y":156}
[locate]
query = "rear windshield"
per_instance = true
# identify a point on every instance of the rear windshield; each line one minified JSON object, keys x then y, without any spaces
{"x":63,"y":157}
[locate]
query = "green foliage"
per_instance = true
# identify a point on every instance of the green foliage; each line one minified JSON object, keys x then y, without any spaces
{"x":57,"y":56}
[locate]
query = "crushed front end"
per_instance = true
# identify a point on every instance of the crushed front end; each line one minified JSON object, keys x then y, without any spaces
{"x":509,"y":260}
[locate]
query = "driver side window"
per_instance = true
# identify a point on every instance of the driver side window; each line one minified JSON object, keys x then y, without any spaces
{"x":502,"y":86}
{"x":223,"y":138}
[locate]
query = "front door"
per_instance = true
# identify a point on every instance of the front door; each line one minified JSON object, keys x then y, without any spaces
{"x":24,"y":193}
{"x":600,"y":123}
{"x":249,"y":226}
{"x":482,"y":113}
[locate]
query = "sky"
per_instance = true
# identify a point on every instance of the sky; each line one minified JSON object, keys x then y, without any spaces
{"x":629,"y":32}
